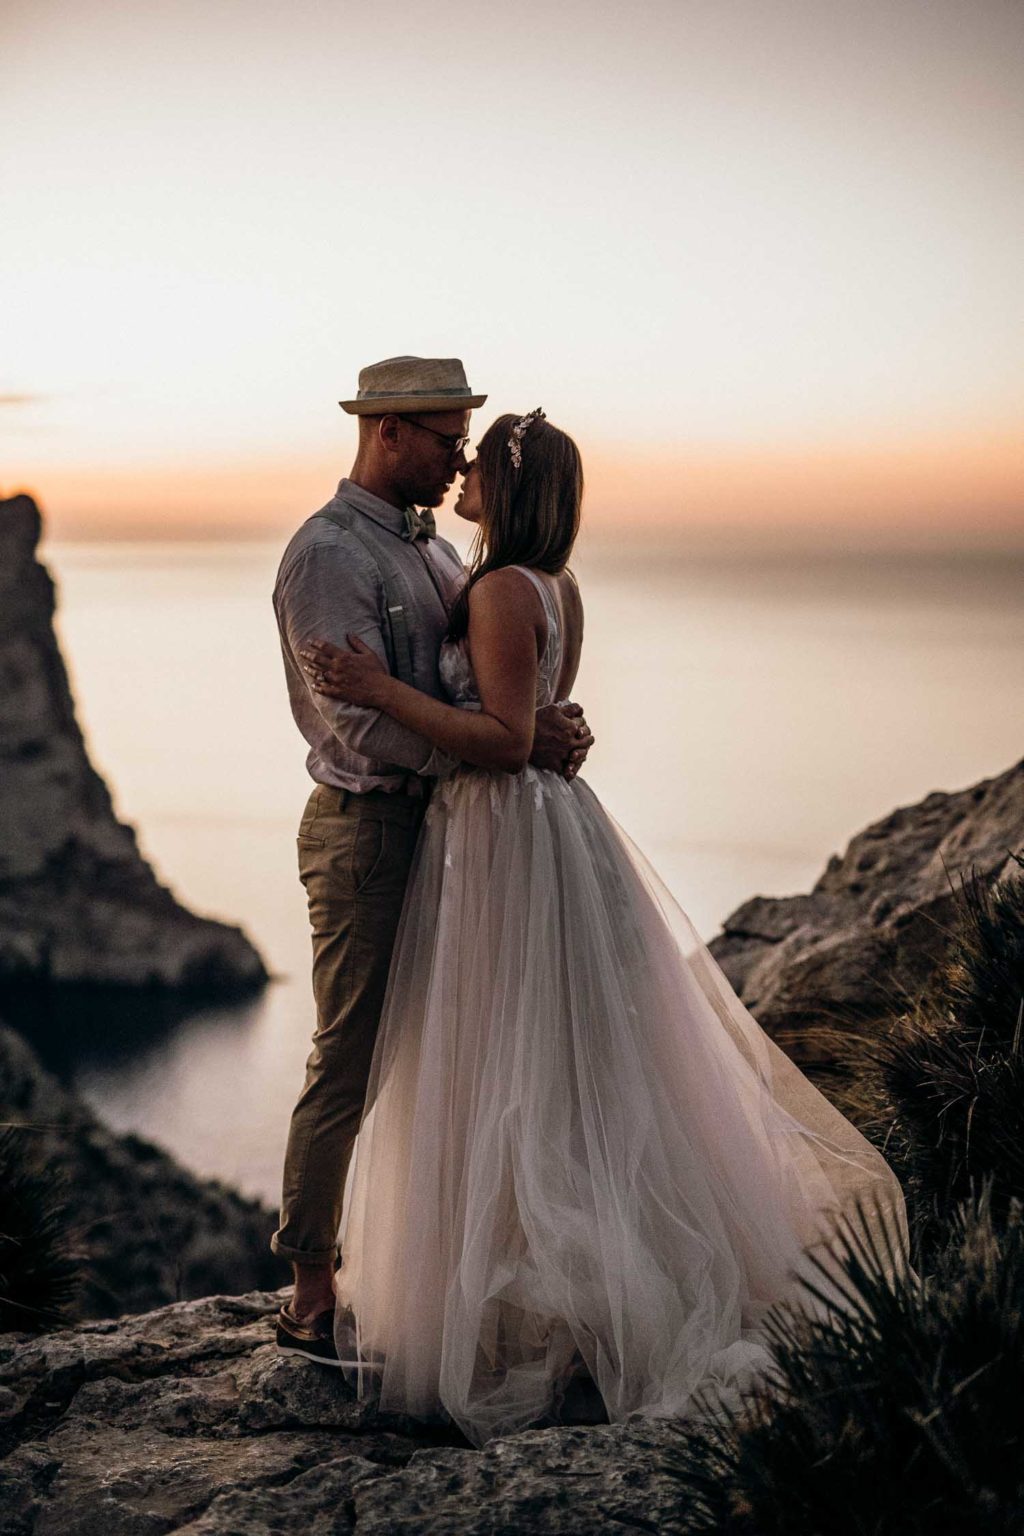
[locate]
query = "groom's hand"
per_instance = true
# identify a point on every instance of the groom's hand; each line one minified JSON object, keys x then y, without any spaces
{"x":561,"y":739}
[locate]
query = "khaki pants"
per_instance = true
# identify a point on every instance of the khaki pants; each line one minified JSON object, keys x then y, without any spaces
{"x":355,"y":852}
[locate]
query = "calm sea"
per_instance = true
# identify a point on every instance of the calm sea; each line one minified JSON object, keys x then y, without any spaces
{"x":751,"y":715}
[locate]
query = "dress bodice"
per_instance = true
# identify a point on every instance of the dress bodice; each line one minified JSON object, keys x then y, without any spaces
{"x":456,"y":669}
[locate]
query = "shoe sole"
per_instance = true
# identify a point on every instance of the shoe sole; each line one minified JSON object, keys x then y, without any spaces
{"x":307,"y":1354}
{"x":354,"y":1365}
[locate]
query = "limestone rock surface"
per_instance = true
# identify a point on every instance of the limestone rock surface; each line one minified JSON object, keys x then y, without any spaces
{"x":869,"y":934}
{"x":78,"y":903}
{"x":186,"y":1419}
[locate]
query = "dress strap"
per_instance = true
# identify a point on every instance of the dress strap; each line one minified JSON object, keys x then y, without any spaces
{"x":545,"y":594}
{"x":552,"y":658}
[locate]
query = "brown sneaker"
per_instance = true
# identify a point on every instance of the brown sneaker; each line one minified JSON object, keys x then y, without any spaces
{"x":315,"y":1340}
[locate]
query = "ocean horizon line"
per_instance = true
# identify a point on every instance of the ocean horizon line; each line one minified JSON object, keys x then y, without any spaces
{"x":707,"y":546}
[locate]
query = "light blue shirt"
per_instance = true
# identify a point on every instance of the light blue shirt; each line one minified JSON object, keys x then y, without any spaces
{"x":329,"y":586}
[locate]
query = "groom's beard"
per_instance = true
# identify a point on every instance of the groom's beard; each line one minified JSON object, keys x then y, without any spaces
{"x":430,"y":495}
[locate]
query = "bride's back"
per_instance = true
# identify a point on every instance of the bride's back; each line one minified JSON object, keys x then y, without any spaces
{"x":559,"y":655}
{"x":569,"y":606}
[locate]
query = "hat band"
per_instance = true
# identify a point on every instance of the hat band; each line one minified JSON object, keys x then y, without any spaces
{"x":427,"y":394}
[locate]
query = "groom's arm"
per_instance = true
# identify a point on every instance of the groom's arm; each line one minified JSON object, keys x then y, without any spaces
{"x":329,"y":590}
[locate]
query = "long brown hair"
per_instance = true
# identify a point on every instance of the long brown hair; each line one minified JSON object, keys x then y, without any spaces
{"x":531,"y":515}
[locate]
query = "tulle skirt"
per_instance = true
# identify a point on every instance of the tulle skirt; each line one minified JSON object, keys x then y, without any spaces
{"x":580,"y":1154}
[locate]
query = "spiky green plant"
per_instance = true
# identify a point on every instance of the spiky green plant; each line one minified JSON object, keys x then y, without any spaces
{"x":956,"y":1069}
{"x":40,"y":1265}
{"x":901,"y":1412}
{"x":941,"y":1087}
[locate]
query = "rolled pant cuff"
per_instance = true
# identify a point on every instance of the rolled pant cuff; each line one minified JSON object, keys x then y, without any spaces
{"x":303,"y":1255}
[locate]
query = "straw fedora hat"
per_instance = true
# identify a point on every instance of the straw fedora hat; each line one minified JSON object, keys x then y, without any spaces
{"x":412,"y":384}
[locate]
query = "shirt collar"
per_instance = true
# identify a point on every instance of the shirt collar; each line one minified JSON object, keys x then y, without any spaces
{"x":382,"y":512}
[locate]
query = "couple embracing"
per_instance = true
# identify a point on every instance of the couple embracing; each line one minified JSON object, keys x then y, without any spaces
{"x":554,"y":1150}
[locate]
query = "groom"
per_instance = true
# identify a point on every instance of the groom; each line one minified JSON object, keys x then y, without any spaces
{"x":368,"y":563}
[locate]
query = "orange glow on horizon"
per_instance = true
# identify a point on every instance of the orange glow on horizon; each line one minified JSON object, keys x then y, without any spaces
{"x":955,"y":492}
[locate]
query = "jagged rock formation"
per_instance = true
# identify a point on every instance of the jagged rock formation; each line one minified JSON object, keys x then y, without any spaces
{"x":150,"y":1231}
{"x":186,"y":1420}
{"x":78,"y":903}
{"x":869,"y":934}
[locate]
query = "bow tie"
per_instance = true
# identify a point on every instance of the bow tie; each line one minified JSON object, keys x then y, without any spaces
{"x":419,"y":525}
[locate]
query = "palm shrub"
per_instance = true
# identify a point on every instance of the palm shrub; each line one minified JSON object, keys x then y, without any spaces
{"x":941,"y":1087}
{"x":40,"y":1266}
{"x":899,"y":1412}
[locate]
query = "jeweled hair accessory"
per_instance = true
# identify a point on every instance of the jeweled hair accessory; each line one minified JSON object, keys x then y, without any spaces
{"x":515,"y":442}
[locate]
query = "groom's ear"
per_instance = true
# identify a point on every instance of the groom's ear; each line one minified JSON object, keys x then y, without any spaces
{"x":388,"y":432}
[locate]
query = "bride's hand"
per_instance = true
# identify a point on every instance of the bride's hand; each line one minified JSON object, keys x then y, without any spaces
{"x":355,"y":675}
{"x":561,"y":739}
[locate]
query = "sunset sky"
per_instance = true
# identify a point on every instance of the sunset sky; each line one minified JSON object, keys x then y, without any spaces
{"x":762,"y":259}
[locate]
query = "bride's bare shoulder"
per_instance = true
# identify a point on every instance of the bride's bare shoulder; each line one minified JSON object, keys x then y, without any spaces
{"x":506,"y":588}
{"x":504,"y":578}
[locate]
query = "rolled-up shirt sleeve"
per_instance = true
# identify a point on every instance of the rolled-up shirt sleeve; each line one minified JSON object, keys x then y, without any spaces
{"x":328,"y":592}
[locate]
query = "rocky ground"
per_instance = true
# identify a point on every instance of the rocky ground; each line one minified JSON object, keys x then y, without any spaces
{"x":187,"y":1420}
{"x":870,"y":932}
{"x":78,"y":903}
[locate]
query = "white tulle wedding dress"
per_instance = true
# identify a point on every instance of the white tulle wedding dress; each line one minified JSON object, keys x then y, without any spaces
{"x":580,"y":1153}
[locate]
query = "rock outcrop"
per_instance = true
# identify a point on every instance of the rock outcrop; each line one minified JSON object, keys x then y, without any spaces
{"x":150,"y":1232}
{"x":83,"y":915}
{"x":867,"y":937}
{"x":187,"y":1420}
{"x":78,"y":903}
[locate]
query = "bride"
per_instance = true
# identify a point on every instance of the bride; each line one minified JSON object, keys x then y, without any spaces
{"x":580,"y":1155}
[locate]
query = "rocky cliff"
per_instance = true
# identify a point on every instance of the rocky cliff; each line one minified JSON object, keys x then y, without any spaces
{"x":82,"y":912}
{"x":150,"y":1231}
{"x":867,"y":936}
{"x":78,"y":903}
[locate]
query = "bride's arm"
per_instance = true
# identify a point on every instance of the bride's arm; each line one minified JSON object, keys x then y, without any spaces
{"x":506,"y":625}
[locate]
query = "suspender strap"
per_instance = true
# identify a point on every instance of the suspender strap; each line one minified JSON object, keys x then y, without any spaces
{"x":396,"y":629}
{"x":401,"y":645}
